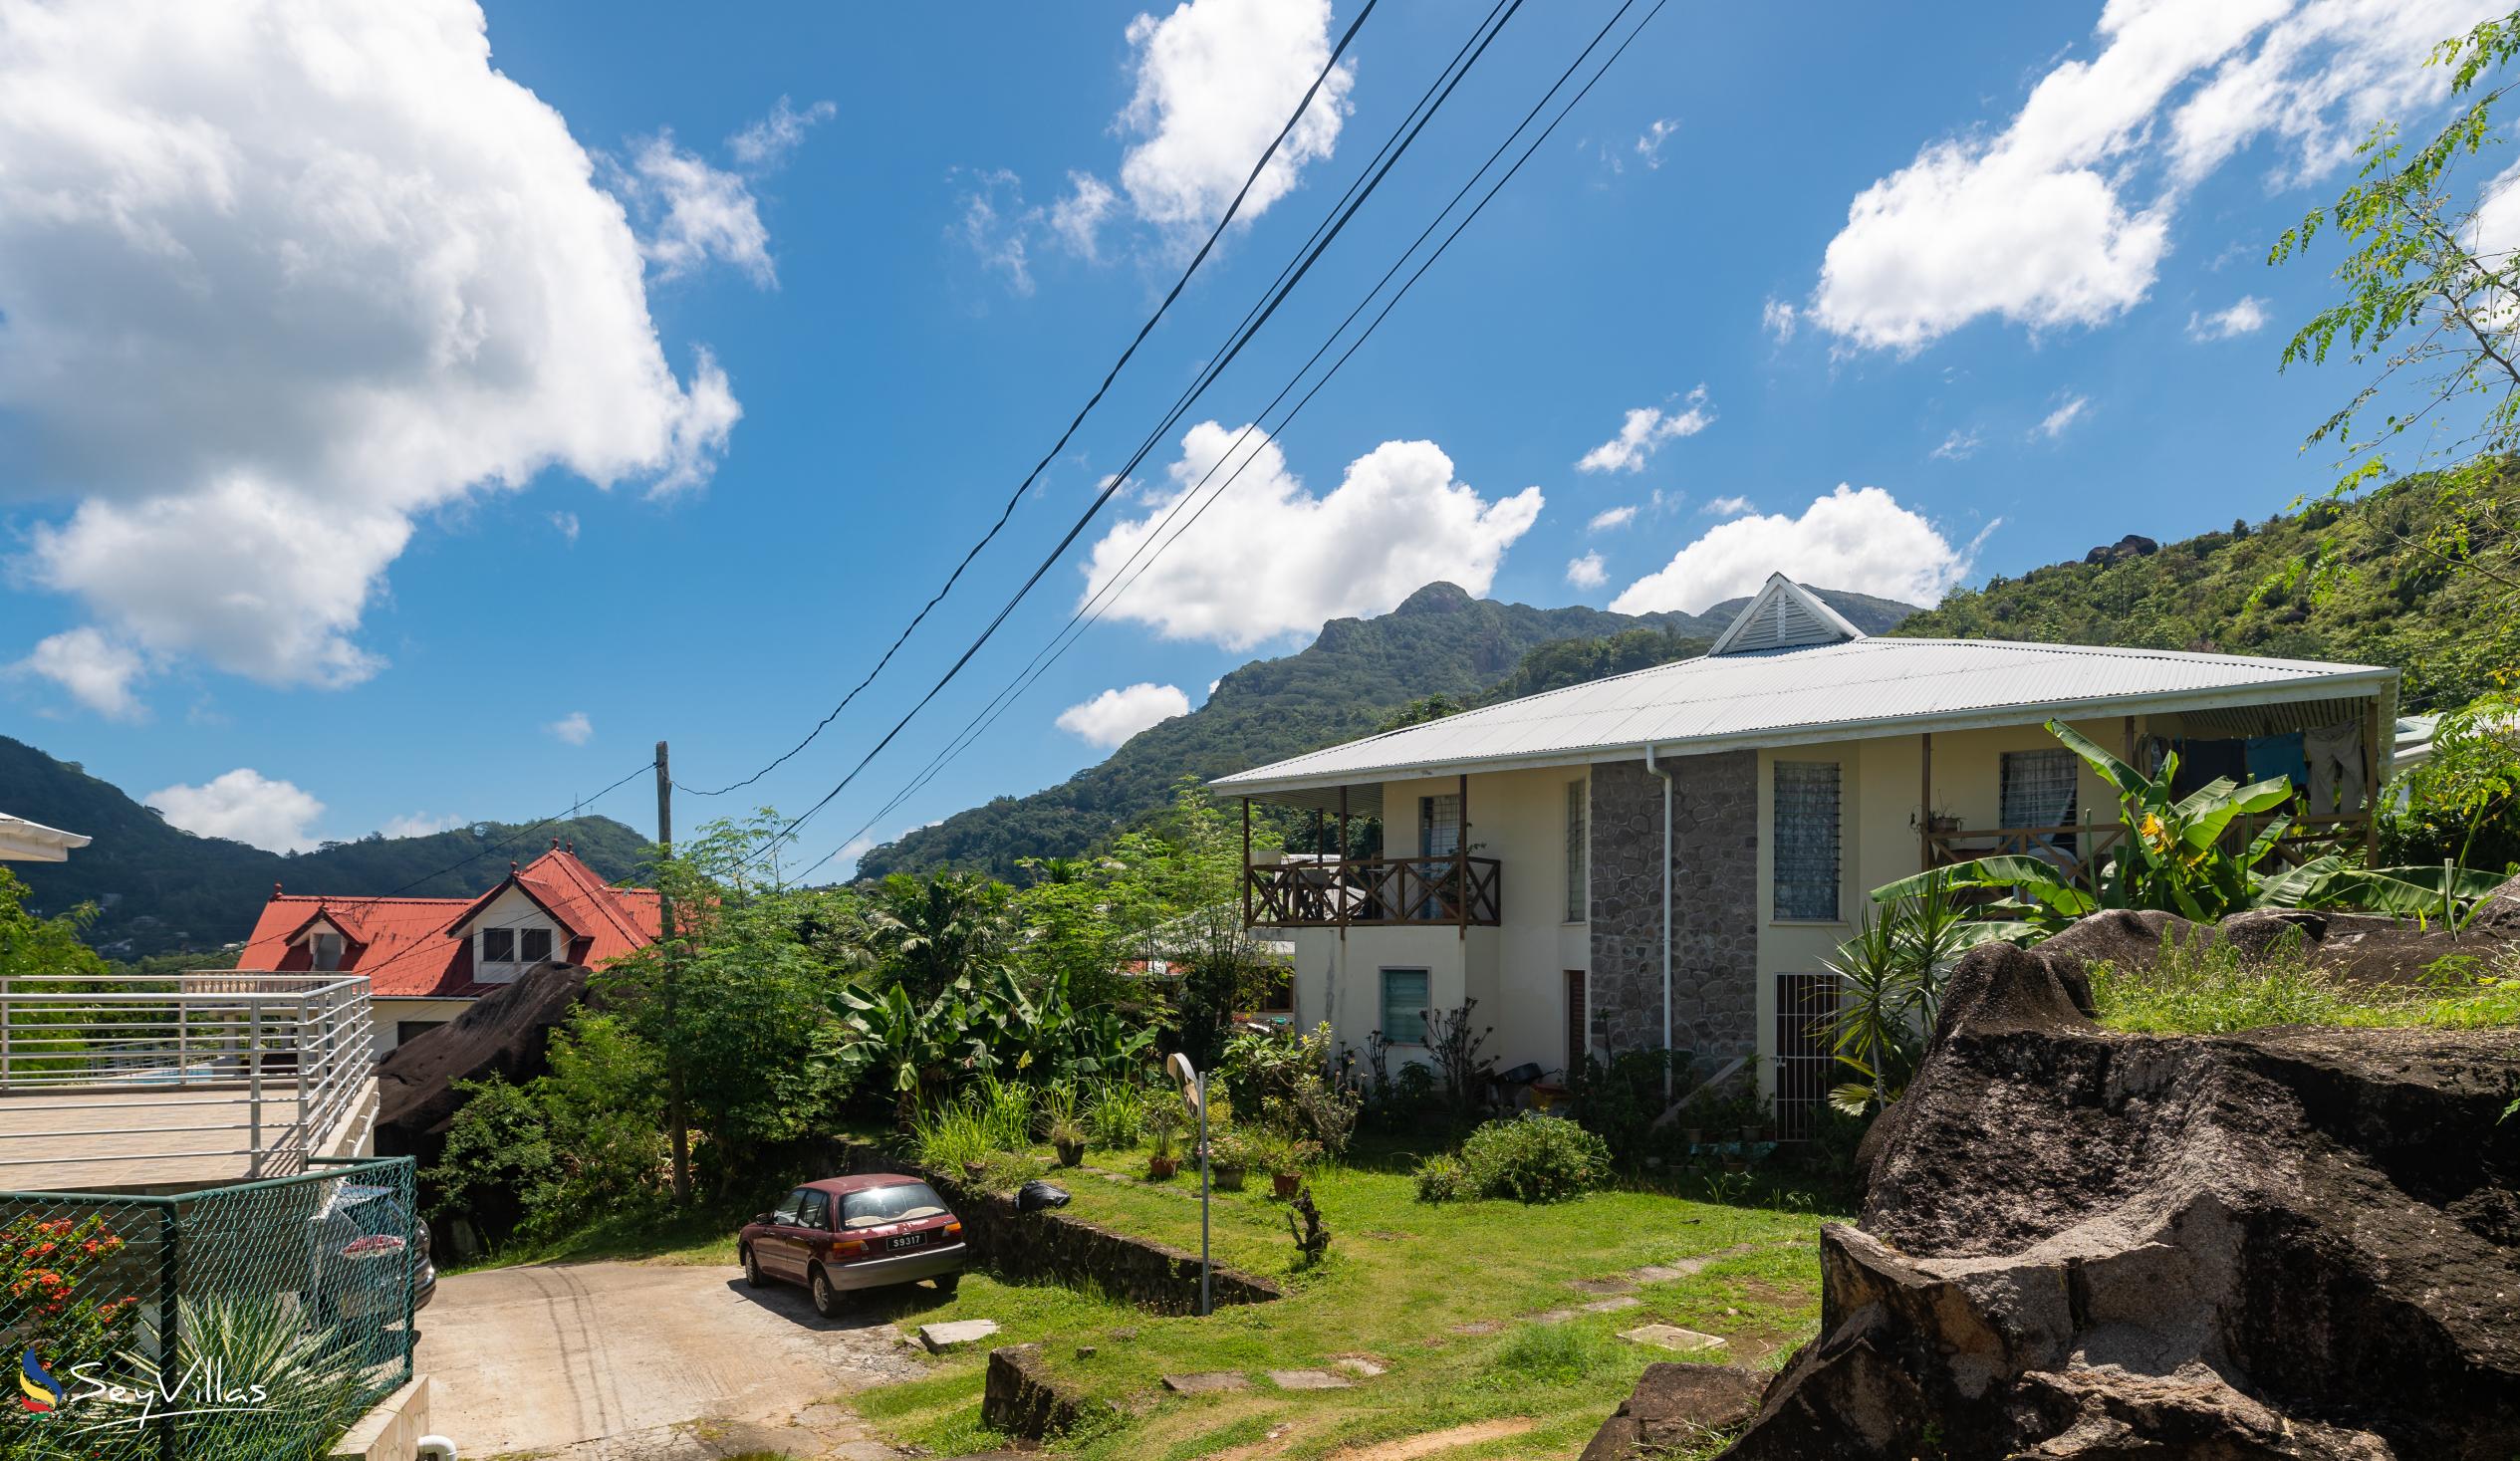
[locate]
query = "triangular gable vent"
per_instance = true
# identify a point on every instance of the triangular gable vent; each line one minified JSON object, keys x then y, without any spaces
{"x":1785,"y":616}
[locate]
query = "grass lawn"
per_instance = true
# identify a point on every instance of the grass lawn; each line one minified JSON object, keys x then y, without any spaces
{"x":1441,"y":1295}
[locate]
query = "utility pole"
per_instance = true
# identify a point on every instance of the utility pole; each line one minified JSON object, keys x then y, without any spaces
{"x":675,"y":1129}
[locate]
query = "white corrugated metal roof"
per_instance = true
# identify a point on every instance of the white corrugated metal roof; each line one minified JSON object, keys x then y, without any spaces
{"x":1864,"y":688}
{"x":22,"y":840}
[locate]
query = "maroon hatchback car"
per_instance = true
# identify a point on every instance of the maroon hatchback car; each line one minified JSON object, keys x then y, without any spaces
{"x":843,"y":1233}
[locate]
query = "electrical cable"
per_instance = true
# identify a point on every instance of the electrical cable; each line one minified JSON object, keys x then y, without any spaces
{"x":1121,"y":478}
{"x":1095,"y":607}
{"x":1061,"y":445}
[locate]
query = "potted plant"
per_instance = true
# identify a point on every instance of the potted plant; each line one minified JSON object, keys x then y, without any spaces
{"x":1062,"y":1123}
{"x":1286,"y":1158}
{"x":1228,"y":1158}
{"x":1067,"y":1138}
{"x":1163,"y":1124}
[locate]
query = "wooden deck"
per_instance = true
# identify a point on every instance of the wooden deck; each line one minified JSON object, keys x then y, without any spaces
{"x":142,"y":1138}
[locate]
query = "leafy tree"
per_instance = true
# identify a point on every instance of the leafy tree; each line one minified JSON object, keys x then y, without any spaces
{"x":499,"y":1162}
{"x":1421,"y":710}
{"x":31,"y":946}
{"x":752,"y":974}
{"x":931,"y":932}
{"x":2462,"y":803}
{"x":2429,"y":301}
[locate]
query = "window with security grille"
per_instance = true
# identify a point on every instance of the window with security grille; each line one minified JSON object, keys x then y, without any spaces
{"x":2040,"y":787}
{"x":498,"y":945}
{"x":532,"y":944}
{"x":1805,"y":839}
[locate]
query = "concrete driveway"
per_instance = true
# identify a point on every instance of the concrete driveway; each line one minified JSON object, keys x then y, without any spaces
{"x":639,"y":1362}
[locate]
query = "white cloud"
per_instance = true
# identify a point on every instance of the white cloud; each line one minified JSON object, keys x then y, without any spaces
{"x":1076,"y":219}
{"x":993,"y":226}
{"x":565,"y":524}
{"x":1779,"y":319}
{"x":702,"y":213}
{"x":1216,"y":78}
{"x":1727,"y":507}
{"x":1855,"y":539}
{"x":2062,"y":217}
{"x":1587,"y":572}
{"x":245,"y":806}
{"x":573,"y":728}
{"x":1115,"y":715}
{"x":1269,"y":558}
{"x":1645,"y":429}
{"x":100,"y":672}
{"x":766,"y":143}
{"x":421,"y":823}
{"x":276,"y":280}
{"x":1959,"y":446}
{"x":2056,"y":422}
{"x":1650,"y":143}
{"x":2246,"y":317}
{"x":1609,"y":518}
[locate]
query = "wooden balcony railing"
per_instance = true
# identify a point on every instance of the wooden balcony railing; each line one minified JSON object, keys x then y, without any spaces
{"x":2078,"y":850}
{"x":1363,"y":892}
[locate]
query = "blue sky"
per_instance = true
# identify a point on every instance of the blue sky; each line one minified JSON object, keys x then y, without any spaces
{"x":390,"y":436}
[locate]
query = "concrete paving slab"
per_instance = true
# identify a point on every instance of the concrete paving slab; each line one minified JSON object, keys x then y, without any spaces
{"x":1612,"y":1304}
{"x":1672,"y":1337}
{"x":1308,"y":1379}
{"x":940,"y":1337}
{"x":1362,"y":1366}
{"x":1207,"y":1382}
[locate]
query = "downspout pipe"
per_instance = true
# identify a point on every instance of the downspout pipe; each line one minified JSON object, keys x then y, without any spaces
{"x":1657,"y":769}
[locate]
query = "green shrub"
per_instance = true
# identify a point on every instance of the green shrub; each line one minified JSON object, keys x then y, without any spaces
{"x":1536,"y":1158}
{"x":1550,"y":1354}
{"x":949,"y":1136}
{"x":1442,"y":1178}
{"x":1117,"y":1116}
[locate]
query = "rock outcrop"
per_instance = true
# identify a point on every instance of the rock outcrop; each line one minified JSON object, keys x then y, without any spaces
{"x":2291,"y":1243}
{"x":1676,"y":1406}
{"x":502,"y":1033}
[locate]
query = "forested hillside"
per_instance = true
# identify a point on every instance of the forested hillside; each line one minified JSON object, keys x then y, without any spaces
{"x":159,"y":888}
{"x":1345,"y":683}
{"x":2243,"y":593}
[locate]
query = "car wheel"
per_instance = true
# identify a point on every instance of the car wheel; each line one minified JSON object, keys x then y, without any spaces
{"x":947,"y":1283}
{"x":826,"y":1297}
{"x":752,"y":1269}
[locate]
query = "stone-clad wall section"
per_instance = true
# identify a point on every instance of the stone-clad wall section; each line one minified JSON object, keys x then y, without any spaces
{"x":1714,"y":904}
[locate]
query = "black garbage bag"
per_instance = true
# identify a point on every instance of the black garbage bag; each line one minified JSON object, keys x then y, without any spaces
{"x":1035,"y":1195}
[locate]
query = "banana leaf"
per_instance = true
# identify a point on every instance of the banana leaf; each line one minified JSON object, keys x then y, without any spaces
{"x":2037,"y":877}
{"x":2407,"y":892}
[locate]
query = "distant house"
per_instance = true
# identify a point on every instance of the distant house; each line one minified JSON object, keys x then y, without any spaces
{"x":1663,"y":860}
{"x":427,"y":959}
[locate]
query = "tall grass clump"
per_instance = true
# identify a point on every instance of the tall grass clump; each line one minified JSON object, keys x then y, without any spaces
{"x":1116,"y":1115}
{"x":2213,"y":988}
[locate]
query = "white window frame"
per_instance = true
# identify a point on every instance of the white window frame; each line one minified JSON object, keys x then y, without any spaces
{"x":1383,"y":1002}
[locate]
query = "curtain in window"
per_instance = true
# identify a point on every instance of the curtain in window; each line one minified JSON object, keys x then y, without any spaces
{"x":1577,"y":874}
{"x":2040,"y":787}
{"x":1405,"y":1006}
{"x":1806,"y":840}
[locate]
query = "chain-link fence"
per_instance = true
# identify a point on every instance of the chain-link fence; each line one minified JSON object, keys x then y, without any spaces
{"x":252,"y":1322}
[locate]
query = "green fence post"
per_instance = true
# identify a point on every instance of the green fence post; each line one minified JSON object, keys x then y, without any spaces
{"x":168,"y":1293}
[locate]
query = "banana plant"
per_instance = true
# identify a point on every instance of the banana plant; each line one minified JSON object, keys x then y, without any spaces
{"x":2172,"y":857}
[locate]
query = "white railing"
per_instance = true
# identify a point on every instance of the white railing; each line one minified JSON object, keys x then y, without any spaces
{"x":264,"y":1068}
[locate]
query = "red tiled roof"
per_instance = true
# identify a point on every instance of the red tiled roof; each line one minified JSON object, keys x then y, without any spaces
{"x":407,"y":946}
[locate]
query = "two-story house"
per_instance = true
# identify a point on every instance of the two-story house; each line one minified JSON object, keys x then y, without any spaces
{"x":427,"y":959}
{"x":1664,"y":858}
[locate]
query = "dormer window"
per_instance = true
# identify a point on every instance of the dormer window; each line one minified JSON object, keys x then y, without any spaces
{"x":534,"y":945}
{"x":516,"y":945}
{"x":498,"y":945}
{"x":325,"y":949}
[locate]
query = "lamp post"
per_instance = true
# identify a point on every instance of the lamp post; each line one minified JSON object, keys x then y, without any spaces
{"x":1194,"y":1091}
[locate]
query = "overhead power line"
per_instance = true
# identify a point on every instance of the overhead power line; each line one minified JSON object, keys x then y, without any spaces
{"x":1099,"y":604}
{"x":1291,"y":278}
{"x":1008,"y":510}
